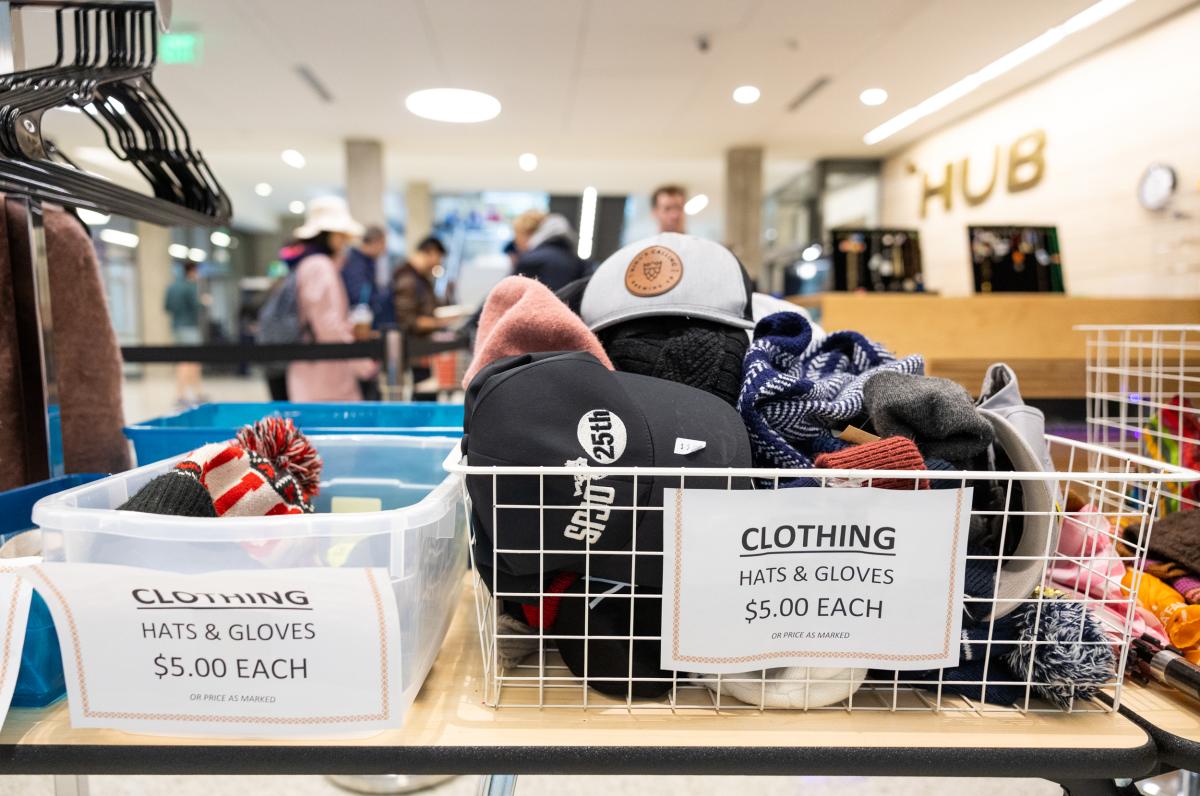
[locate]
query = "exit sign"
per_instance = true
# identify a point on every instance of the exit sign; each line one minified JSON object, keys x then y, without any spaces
{"x":180,"y":48}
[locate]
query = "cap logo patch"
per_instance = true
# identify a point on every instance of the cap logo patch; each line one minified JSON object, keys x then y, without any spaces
{"x":602,"y":435}
{"x":653,"y":271}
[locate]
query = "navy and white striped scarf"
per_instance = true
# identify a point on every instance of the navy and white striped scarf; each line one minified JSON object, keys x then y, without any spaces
{"x":796,"y":391}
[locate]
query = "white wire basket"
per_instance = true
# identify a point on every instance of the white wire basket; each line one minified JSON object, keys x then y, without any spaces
{"x":523,"y":667}
{"x":1143,"y":396}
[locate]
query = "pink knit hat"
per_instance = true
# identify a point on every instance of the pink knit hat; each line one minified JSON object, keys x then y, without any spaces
{"x":522,"y":316}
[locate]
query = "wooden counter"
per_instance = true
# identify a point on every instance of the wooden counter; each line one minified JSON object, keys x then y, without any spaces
{"x":449,"y":730}
{"x":960,"y":337}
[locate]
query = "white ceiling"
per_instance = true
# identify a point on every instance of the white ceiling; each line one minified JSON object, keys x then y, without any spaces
{"x":612,"y":93}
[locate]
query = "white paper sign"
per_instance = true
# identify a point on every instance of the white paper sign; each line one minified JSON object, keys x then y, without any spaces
{"x":813,"y":577}
{"x":286,"y":652}
{"x":15,"y":594}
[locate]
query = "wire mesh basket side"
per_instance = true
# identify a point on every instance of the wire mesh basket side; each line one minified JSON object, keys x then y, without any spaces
{"x":1106,"y":497}
{"x":1143,"y":396}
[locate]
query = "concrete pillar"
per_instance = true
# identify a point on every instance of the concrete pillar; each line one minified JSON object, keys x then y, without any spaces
{"x":418,"y":205}
{"x":743,"y":205}
{"x":155,"y":274}
{"x":365,"y":180}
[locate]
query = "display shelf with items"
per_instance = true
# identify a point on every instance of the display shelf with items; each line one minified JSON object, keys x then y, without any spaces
{"x":877,"y":260}
{"x":1015,"y":259}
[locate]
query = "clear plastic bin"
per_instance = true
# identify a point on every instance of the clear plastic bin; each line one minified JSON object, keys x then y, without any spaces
{"x":184,"y":431}
{"x":419,"y":534}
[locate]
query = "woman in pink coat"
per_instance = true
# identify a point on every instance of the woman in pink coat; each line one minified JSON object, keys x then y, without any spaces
{"x":323,"y":305}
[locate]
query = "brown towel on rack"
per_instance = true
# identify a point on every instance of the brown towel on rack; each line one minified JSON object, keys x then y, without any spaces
{"x":87,"y":356}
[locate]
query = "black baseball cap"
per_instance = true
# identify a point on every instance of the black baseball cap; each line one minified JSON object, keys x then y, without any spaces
{"x":598,"y":639}
{"x":564,"y":409}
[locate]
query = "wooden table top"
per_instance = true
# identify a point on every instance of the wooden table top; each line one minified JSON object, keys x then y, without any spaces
{"x":1171,"y":718}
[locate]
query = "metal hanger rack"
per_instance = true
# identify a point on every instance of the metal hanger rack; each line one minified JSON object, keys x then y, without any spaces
{"x":115,"y":43}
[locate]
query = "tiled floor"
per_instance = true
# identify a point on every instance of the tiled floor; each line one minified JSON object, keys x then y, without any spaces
{"x":153,"y":394}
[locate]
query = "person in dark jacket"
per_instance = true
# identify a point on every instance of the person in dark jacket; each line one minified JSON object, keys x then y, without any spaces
{"x":358,"y":272}
{"x":546,"y":243}
{"x":415,"y":300}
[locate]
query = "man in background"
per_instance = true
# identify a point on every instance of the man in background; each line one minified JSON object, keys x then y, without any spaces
{"x":362,"y":289}
{"x":666,"y":205}
{"x":358,"y":273}
{"x":183,"y":304}
{"x":414,"y":300}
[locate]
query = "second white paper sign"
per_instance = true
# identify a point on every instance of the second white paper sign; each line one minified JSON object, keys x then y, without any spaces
{"x":803,"y":577}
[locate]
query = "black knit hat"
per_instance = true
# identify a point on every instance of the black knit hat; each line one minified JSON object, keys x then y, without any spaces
{"x":571,"y":293}
{"x":174,"y":492}
{"x":701,"y":354}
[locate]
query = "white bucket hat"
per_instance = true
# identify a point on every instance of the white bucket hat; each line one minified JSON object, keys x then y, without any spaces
{"x":797,"y":687}
{"x":328,"y":214}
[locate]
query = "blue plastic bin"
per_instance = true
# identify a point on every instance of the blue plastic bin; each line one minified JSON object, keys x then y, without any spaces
{"x":164,"y":437}
{"x":40,"y":680}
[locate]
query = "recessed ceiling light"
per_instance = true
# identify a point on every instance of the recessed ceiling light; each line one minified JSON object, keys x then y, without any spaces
{"x":293,"y":158}
{"x":178,"y":251}
{"x":119,"y":238}
{"x":220,"y":238}
{"x":695,"y":204}
{"x":458,"y":105}
{"x":263,"y":189}
{"x":746,"y":95}
{"x":92,"y":218}
{"x":873,"y":96}
{"x":197,"y":255}
{"x":528,"y":161}
{"x":1084,"y":19}
{"x":811,"y":253}
{"x":296,"y":207}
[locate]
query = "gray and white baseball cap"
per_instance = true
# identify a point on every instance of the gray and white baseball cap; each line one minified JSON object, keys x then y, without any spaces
{"x":669,"y":274}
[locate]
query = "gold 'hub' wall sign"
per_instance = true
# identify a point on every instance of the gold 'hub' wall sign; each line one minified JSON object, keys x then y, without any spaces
{"x":1026,"y":167}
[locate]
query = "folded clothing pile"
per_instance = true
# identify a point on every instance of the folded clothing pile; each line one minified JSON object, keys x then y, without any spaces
{"x":652,"y":362}
{"x":1169,"y":586}
{"x":270,"y":468}
{"x":1050,"y":646}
